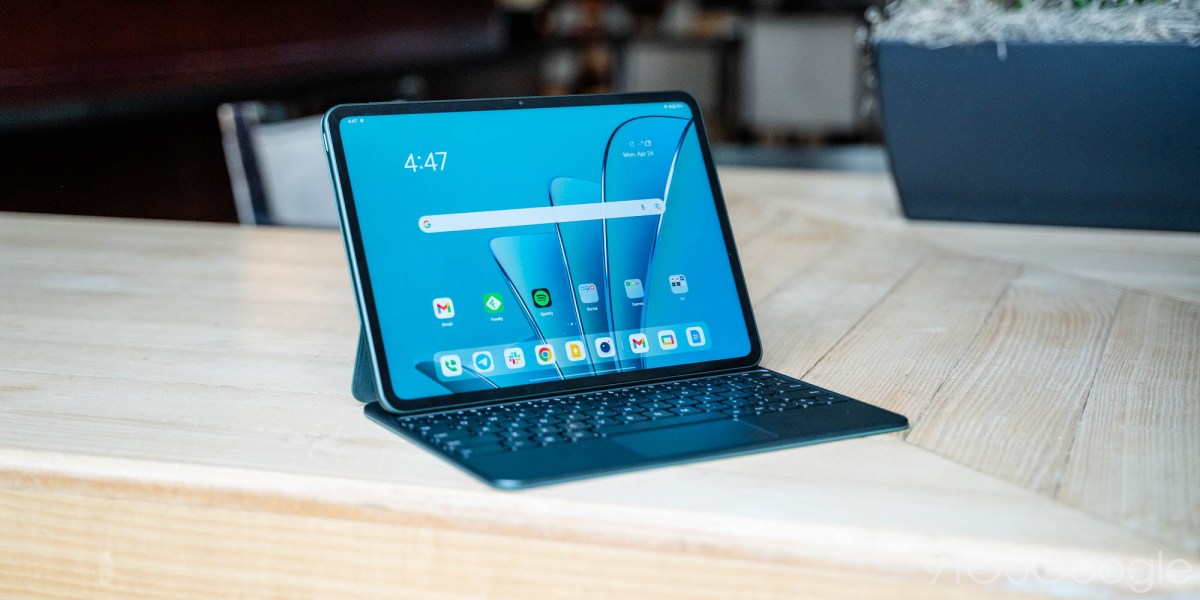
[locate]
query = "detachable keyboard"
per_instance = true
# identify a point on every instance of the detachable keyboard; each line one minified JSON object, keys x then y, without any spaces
{"x":580,"y":418}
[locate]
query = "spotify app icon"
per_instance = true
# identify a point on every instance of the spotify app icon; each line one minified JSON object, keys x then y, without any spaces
{"x":541,"y":298}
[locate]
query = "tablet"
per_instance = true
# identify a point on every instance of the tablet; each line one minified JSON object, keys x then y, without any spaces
{"x":520,"y":247}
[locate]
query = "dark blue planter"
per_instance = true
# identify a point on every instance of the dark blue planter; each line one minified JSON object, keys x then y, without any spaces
{"x":1100,"y":135}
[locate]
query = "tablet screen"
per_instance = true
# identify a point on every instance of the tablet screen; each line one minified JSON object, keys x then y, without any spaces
{"x":515,"y":247}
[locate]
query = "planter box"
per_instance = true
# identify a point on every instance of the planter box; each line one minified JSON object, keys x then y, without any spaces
{"x":1089,"y":134}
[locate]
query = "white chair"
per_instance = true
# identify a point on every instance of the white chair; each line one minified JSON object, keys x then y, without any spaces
{"x":277,"y":167}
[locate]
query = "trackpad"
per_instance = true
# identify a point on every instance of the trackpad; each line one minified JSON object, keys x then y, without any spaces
{"x":691,"y":439}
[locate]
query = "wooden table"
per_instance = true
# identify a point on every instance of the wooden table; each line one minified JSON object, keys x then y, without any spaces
{"x":175,"y":420}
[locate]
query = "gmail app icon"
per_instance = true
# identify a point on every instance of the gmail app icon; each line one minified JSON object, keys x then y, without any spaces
{"x":443,"y":308}
{"x":638,"y":343}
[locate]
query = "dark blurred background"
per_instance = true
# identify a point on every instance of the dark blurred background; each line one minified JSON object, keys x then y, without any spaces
{"x":112,"y":108}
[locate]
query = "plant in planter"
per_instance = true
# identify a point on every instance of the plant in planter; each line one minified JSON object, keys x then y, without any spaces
{"x":1061,"y":112}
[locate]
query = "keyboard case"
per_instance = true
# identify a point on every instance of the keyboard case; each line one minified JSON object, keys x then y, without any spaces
{"x":363,"y":385}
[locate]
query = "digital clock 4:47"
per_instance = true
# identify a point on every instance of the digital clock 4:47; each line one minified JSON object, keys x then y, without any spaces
{"x":434,"y":161}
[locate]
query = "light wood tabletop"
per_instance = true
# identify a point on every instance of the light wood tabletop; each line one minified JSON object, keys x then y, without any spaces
{"x":176,"y":421}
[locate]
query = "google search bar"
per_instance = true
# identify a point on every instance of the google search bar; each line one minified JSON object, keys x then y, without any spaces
{"x":516,"y":217}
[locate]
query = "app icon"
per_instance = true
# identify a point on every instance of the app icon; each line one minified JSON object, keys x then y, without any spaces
{"x":545,"y":354}
{"x":638,"y":343}
{"x":633,"y":288}
{"x":695,"y":336}
{"x":576,"y":351}
{"x":443,"y":308}
{"x":451,"y":365}
{"x":493,"y":303}
{"x":541,"y":298}
{"x":666,"y":340}
{"x":588,"y":294}
{"x":605,"y":347}
{"x":514,"y":358}
{"x":678,"y":284}
{"x":483,"y":361}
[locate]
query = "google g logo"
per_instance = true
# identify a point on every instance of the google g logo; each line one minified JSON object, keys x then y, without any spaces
{"x":426,"y":224}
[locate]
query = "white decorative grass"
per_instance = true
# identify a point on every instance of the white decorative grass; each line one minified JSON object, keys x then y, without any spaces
{"x":941,"y":23}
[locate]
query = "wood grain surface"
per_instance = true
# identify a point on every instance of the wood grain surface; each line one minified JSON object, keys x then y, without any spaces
{"x":175,"y":421}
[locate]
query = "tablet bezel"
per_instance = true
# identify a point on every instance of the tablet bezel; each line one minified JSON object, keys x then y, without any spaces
{"x":362,"y":282}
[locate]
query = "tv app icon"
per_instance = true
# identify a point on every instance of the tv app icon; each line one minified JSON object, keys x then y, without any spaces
{"x":443,"y":308}
{"x":514,"y":358}
{"x":544,"y":354}
{"x":666,"y":340}
{"x":605,"y":348}
{"x":638,"y":343}
{"x":451,"y":365}
{"x":678,"y":284}
{"x":483,"y":361}
{"x":695,"y":336}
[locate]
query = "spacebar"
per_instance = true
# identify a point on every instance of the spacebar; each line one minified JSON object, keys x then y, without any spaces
{"x":660,"y":423}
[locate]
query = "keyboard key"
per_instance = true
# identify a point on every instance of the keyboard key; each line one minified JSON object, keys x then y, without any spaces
{"x":478,"y":440}
{"x":432,"y":427}
{"x":801,"y":394}
{"x":520,"y":444}
{"x":453,"y":434}
{"x":482,"y":450}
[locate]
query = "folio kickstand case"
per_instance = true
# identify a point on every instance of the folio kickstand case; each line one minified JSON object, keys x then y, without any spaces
{"x":363,"y":386}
